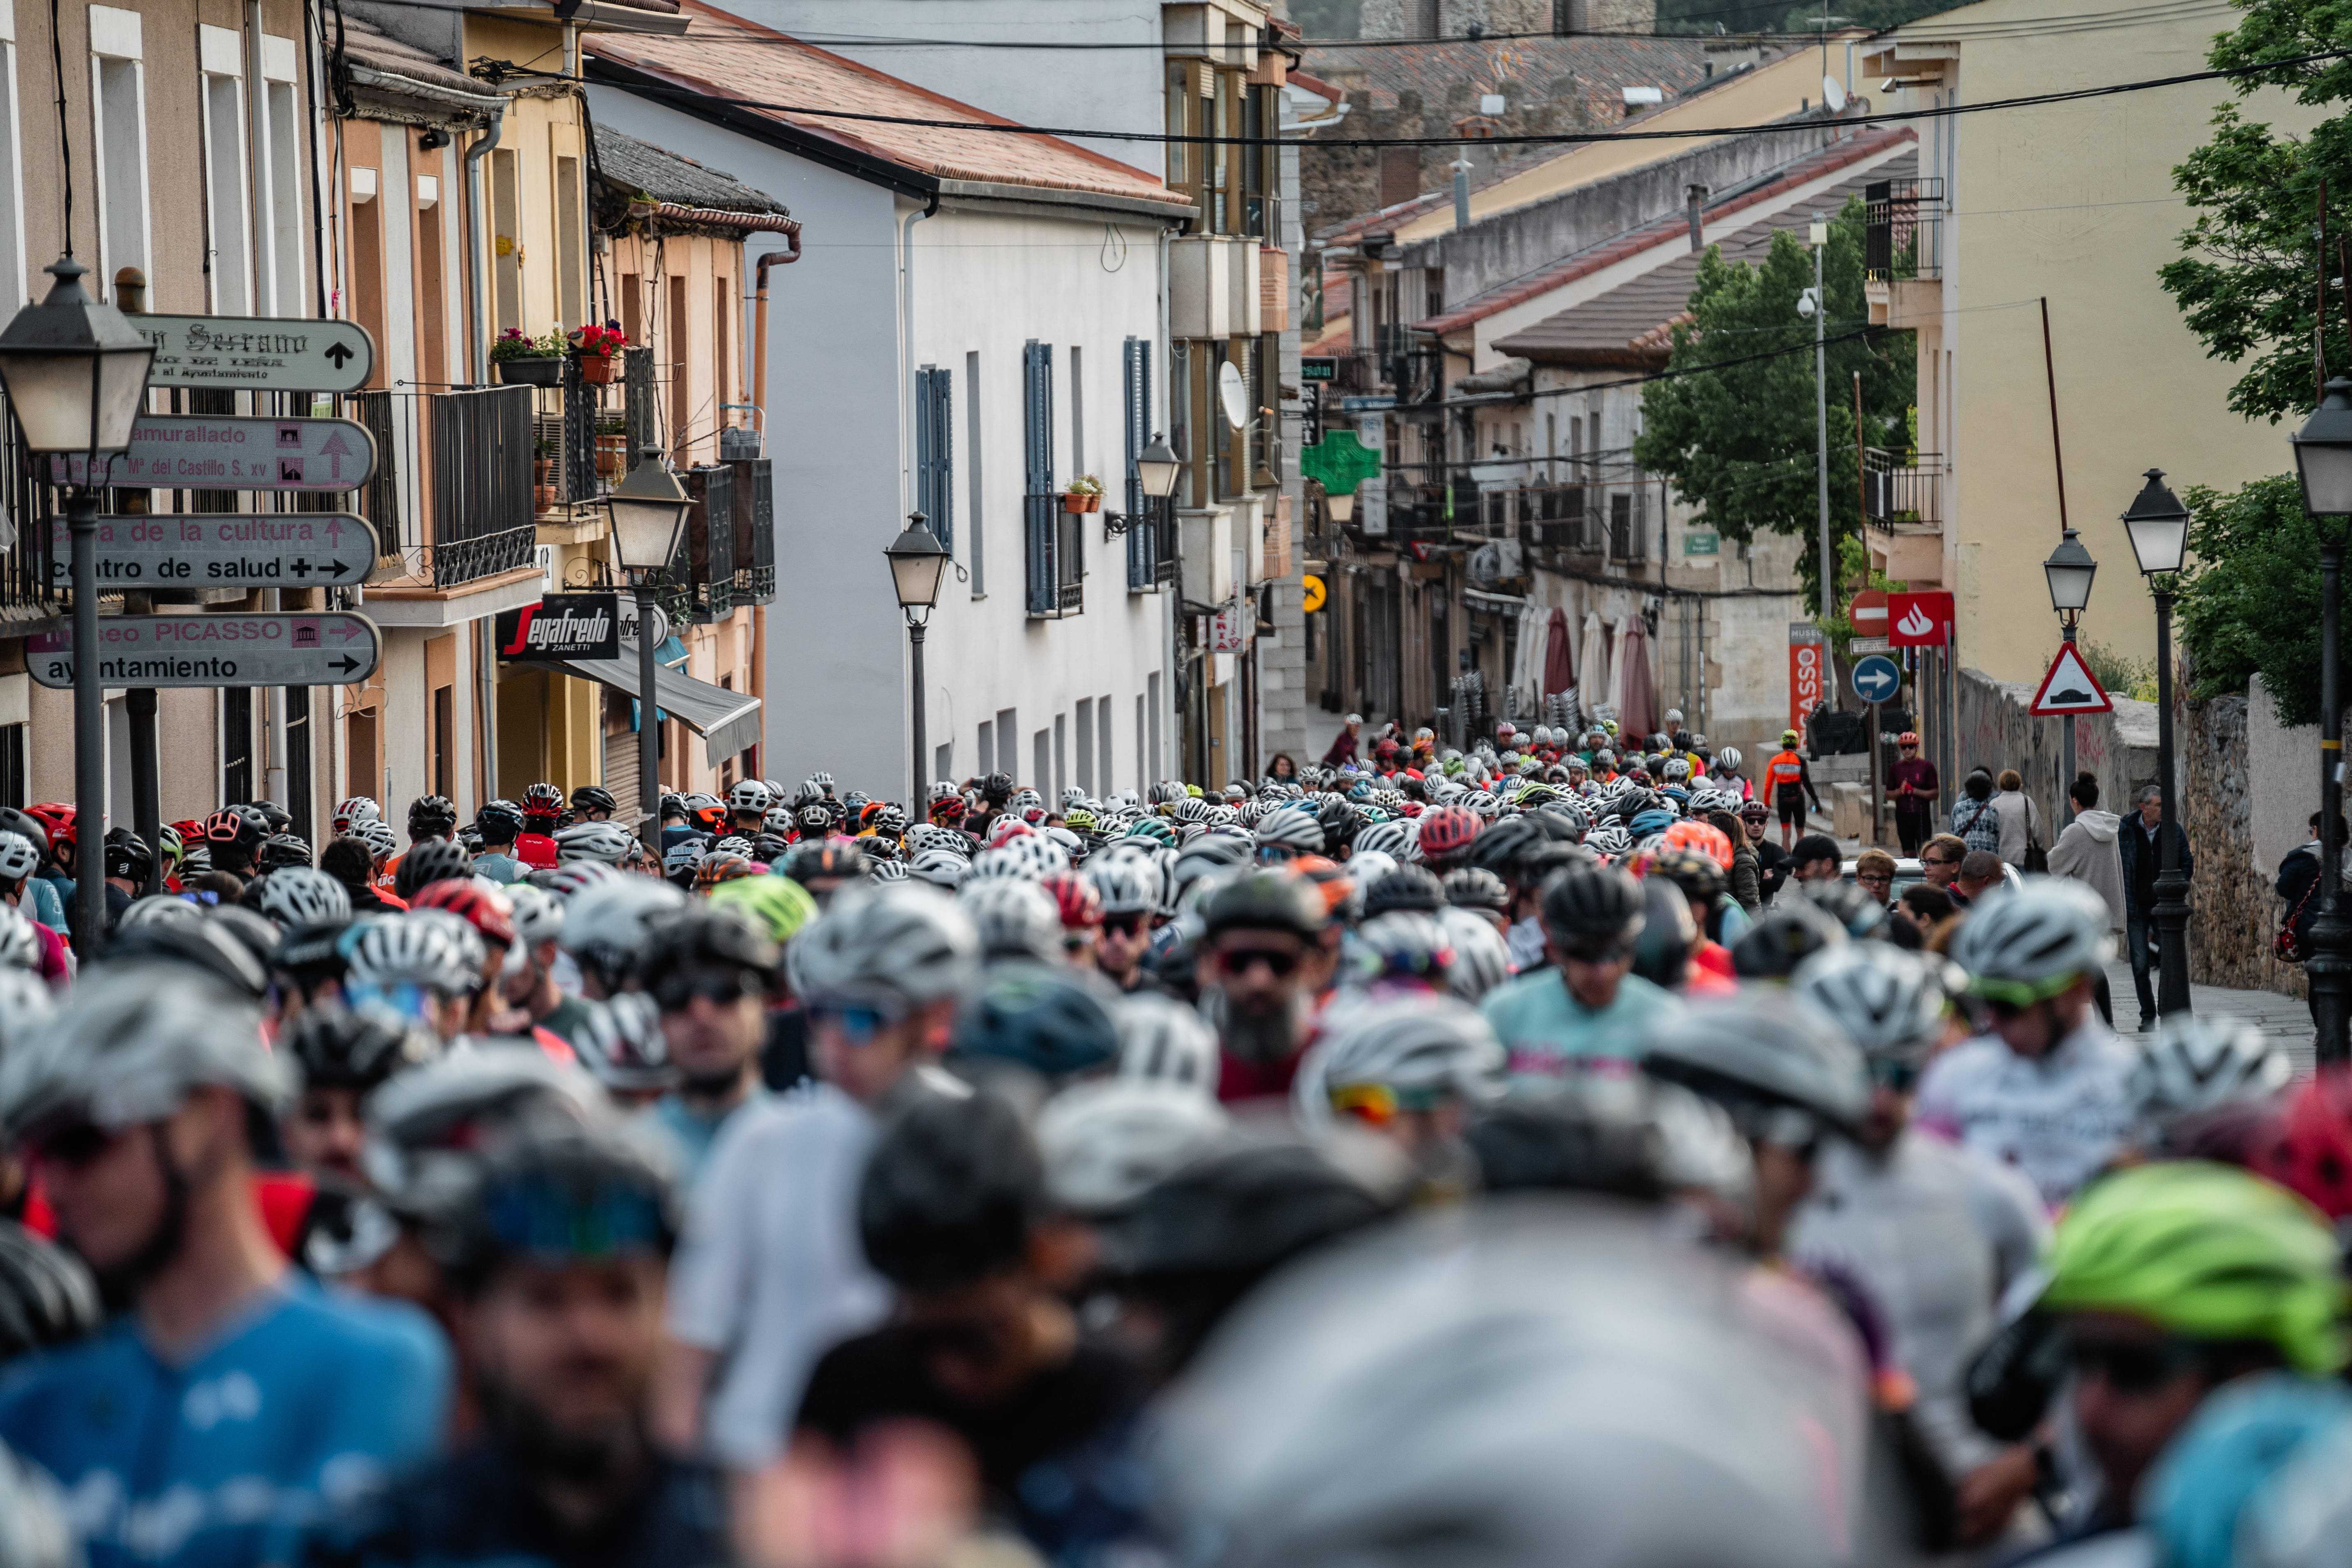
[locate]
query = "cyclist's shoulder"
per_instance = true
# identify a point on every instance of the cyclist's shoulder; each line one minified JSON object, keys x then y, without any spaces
{"x":371,"y":1333}
{"x":30,"y":1384}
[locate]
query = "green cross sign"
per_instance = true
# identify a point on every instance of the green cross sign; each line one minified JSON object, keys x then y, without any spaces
{"x":1339,"y":462}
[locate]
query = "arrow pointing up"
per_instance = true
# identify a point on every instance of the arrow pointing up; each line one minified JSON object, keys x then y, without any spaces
{"x":335,"y":446}
{"x":335,"y":532}
{"x":341,"y":354}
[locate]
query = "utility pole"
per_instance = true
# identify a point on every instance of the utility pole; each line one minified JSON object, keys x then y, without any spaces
{"x":1821,"y":314}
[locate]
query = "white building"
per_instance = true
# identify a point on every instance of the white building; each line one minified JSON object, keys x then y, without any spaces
{"x":975,"y":322}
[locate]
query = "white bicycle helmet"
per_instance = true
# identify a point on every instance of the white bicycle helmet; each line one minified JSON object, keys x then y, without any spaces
{"x":684,"y":856}
{"x":1482,"y":959}
{"x":1893,"y":1003}
{"x":381,"y":840}
{"x":890,"y":944}
{"x":538,"y":915}
{"x":127,"y":1046}
{"x":1385,"y":837}
{"x":1291,"y":828}
{"x":1015,"y":918}
{"x":1128,"y":883}
{"x":566,"y":881}
{"x":2031,"y":942}
{"x":1162,"y":1039}
{"x":1394,"y":1050}
{"x":749,"y":795}
{"x":943,"y":868}
{"x":303,"y":895}
{"x":355,"y":813}
{"x":423,"y":948}
{"x":607,"y":926}
{"x":606,"y":842}
{"x":2196,"y":1064}
{"x":925,"y":836}
{"x":18,"y":857}
{"x":623,"y":1047}
{"x":1105,"y":1142}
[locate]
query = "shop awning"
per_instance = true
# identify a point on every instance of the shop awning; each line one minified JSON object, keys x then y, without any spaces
{"x":728,"y":722}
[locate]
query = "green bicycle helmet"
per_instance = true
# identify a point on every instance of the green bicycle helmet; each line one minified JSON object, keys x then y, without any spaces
{"x":2209,"y":1252}
{"x":1156,"y":829}
{"x":777,"y":905}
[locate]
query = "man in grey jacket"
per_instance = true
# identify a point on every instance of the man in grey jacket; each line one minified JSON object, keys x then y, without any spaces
{"x":2086,"y":851}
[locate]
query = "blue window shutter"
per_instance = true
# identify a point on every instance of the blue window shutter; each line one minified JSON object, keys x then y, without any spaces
{"x":926,"y":425}
{"x":1037,"y":472}
{"x":942,"y":514}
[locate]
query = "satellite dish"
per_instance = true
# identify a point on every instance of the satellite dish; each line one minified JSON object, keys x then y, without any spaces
{"x":1833,"y":95}
{"x":1232,"y":395}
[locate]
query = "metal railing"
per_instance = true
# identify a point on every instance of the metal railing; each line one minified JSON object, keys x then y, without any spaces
{"x":1055,"y":574}
{"x":452,"y":496}
{"x":1903,"y":229}
{"x":1900,"y":488}
{"x":727,"y":556}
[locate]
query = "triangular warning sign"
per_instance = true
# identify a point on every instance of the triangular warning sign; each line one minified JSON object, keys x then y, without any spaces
{"x":2069,"y":687}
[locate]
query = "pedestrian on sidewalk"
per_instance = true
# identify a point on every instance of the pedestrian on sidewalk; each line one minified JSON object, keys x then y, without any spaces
{"x":1343,"y":749}
{"x":2086,"y":851}
{"x":1915,"y":785}
{"x":1974,"y":818}
{"x":2020,"y":823}
{"x":2298,"y":884}
{"x":2136,"y":845}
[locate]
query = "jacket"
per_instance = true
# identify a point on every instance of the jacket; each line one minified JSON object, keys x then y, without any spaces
{"x":2134,"y":844}
{"x":1747,"y":878}
{"x":2019,"y":822}
{"x":2086,"y":851}
{"x":2298,"y":874}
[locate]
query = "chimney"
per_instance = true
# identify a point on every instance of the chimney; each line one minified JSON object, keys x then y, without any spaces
{"x":1696,"y":200}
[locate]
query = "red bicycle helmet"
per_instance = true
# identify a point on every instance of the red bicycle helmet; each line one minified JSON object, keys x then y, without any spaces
{"x":948,"y":810}
{"x":1447,"y":833}
{"x":57,"y":820}
{"x":478,"y":903}
{"x":1075,"y":899}
{"x":542,"y":800}
{"x":2309,"y":1149}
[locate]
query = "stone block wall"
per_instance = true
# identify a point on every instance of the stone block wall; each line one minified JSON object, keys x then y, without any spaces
{"x":2232,"y":912}
{"x":1992,"y":728}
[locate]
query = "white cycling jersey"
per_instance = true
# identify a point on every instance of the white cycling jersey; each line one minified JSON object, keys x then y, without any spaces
{"x":2058,"y":1118}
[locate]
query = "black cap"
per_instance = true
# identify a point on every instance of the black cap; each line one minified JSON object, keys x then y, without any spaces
{"x":1265,"y":900}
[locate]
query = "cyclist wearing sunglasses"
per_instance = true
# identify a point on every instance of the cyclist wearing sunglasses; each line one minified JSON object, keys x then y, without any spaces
{"x":2048,"y":1089}
{"x":711,"y":973}
{"x":1129,"y":887}
{"x":1261,"y":932}
{"x":1589,"y":1002}
{"x":1936,"y":1233}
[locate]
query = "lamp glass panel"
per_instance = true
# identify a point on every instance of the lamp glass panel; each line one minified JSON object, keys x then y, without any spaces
{"x":51,"y":396}
{"x":2070,"y":585}
{"x":644,"y":532}
{"x":2159,"y":542}
{"x":121,"y":389}
{"x":2326,"y":469}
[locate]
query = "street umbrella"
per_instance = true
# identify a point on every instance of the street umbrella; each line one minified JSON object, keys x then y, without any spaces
{"x":1559,"y":663}
{"x":1592,"y":679}
{"x":1638,"y":712}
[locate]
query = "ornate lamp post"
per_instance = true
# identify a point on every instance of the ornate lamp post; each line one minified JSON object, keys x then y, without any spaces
{"x":649,"y":511}
{"x":2069,"y":572}
{"x":2158,"y":526}
{"x":2323,"y":462}
{"x":76,"y":374}
{"x":917,"y":560}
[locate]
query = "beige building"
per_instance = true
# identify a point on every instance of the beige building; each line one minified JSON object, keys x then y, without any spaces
{"x":2071,"y":204}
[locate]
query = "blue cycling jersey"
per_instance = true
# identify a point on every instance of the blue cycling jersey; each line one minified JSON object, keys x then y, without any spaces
{"x":302,"y":1408}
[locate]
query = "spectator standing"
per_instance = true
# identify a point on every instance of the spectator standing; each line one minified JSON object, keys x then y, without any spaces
{"x":2086,"y":850}
{"x":2298,"y":881}
{"x":1980,"y":872}
{"x":1912,"y":779}
{"x":1974,"y":820}
{"x":1343,"y":748}
{"x":2136,"y":846}
{"x":2021,"y":823}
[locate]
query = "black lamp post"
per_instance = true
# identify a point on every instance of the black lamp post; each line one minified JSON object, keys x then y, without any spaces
{"x":918,"y":561}
{"x":2323,"y":462}
{"x":2158,"y":526}
{"x":76,"y":374}
{"x":649,"y":511}
{"x":2069,"y":572}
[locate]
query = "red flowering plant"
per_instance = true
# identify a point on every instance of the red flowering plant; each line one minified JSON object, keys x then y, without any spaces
{"x":592,"y":341}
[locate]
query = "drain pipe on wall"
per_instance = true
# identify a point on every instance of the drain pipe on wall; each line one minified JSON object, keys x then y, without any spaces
{"x":474,"y":242}
{"x":791,"y":229}
{"x":1159,"y":768}
{"x":907,"y":356}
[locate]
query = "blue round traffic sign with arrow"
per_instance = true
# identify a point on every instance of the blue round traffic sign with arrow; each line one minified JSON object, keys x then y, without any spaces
{"x":1876,"y":678}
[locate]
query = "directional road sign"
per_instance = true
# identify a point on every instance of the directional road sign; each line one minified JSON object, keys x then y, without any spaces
{"x":1876,"y":678}
{"x":224,"y":550}
{"x":217,"y":650}
{"x":1311,"y":593}
{"x":260,"y":354}
{"x":2069,"y":687}
{"x":231,"y":454}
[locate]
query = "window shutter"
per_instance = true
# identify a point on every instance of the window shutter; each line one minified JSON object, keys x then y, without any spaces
{"x":1141,"y":536}
{"x":942,"y":514}
{"x":1040,"y":504}
{"x":926,"y":428}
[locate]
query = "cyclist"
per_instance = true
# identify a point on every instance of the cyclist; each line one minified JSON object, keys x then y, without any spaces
{"x":1128,"y":888}
{"x":339,"y":1059}
{"x":2049,"y":1089}
{"x":1789,"y":782}
{"x":430,"y":817}
{"x":1259,"y":933}
{"x":711,"y":973}
{"x":593,"y":802}
{"x":526,"y":982}
{"x":1412,"y":1069}
{"x":1589,"y":1002}
{"x":500,"y":823}
{"x":542,"y":815}
{"x":233,"y":1406}
{"x":20,"y":858}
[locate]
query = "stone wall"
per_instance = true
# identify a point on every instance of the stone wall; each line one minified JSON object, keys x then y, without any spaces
{"x":2232,"y":912}
{"x":1993,"y":729}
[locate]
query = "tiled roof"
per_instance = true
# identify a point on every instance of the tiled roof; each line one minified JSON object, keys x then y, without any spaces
{"x":1632,"y":325}
{"x":669,"y":177}
{"x":1567,"y":269}
{"x":371,"y":46}
{"x":768,"y":74}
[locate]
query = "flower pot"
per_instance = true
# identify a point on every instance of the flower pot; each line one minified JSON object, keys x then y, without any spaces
{"x":611,"y":456}
{"x":1074,"y":503}
{"x":596,"y":369}
{"x":1093,"y":504}
{"x":531,"y":370}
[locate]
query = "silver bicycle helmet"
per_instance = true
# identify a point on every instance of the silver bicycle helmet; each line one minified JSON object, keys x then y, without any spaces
{"x":1107,"y":1142}
{"x":2196,"y":1064}
{"x":1402,"y":1049}
{"x":1162,"y":1039}
{"x":606,"y":842}
{"x":1014,"y":918}
{"x":129,"y":1045}
{"x":943,"y":868}
{"x":1893,"y":1003}
{"x":2025,"y":943}
{"x":302,"y":895}
{"x":1482,"y":959}
{"x":896,"y":946}
{"x":623,"y":1046}
{"x":1128,"y":883}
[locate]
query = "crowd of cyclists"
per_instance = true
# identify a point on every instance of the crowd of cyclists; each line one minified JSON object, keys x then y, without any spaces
{"x":1461,"y":1158}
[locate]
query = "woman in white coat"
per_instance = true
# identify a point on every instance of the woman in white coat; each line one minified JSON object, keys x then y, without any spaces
{"x":2019,"y":822}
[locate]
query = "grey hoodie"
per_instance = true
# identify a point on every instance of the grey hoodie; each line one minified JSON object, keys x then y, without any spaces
{"x":2086,"y":852}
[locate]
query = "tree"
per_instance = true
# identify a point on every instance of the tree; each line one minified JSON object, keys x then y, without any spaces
{"x":2248,"y":282}
{"x":1738,"y":441}
{"x":2252,"y":605}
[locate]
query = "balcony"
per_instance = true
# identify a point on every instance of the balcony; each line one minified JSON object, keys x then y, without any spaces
{"x":728,"y":556}
{"x":1903,"y":231}
{"x":1901,"y":491}
{"x":1056,"y":564}
{"x":1151,"y":540}
{"x":454,"y":496}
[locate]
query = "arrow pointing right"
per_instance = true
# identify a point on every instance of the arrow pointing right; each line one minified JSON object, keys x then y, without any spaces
{"x":346,"y":664}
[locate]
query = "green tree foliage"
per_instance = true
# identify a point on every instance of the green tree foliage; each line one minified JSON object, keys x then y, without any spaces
{"x":1738,"y":442}
{"x":2248,"y":280}
{"x":2252,"y":605}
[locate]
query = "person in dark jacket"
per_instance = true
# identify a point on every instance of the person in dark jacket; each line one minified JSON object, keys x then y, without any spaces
{"x":2136,"y":844}
{"x":1343,"y":748}
{"x":2298,"y":879}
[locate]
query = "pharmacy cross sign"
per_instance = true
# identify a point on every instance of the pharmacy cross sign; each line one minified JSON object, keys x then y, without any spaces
{"x":1339,"y":462}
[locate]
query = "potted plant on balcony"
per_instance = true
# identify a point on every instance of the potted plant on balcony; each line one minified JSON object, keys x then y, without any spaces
{"x":597,"y":349}
{"x":612,"y":446}
{"x":542,"y":473}
{"x":522,"y":361}
{"x":1084,"y":494}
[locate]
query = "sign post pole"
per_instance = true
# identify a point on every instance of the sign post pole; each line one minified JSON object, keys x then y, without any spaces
{"x":1877,"y":782}
{"x":89,"y":728}
{"x":648,"y":734}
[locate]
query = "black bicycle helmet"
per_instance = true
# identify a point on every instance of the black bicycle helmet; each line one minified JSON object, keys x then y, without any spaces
{"x":951,"y":1190}
{"x":431,"y":815}
{"x":427,"y":861}
{"x":996,"y":788}
{"x":1472,"y":888}
{"x":813,"y":862}
{"x":708,"y":937}
{"x":1694,"y":871}
{"x":1265,"y":900}
{"x":1500,"y":848}
{"x":276,"y":816}
{"x":1760,"y":1055}
{"x":336,"y":1050}
{"x":1592,"y":911}
{"x":47,"y":1295}
{"x":1783,"y":937}
{"x":282,"y":849}
{"x":594,"y":797}
{"x":128,"y":856}
{"x":499,"y":821}
{"x":26,"y":825}
{"x":175,"y":931}
{"x":1406,"y":888}
{"x":1340,"y":822}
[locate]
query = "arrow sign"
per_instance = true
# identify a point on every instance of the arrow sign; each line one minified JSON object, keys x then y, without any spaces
{"x":176,"y":452}
{"x":215,"y":650}
{"x":2069,"y":687}
{"x":259,"y":353}
{"x":223,"y":550}
{"x":1877,"y":679}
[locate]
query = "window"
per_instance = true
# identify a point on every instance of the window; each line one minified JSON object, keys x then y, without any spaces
{"x":505,"y":241}
{"x":1061,"y":756}
{"x":1150,"y":703}
{"x":1191,"y":490}
{"x":431,"y":296}
{"x":13,"y":781}
{"x":298,"y":762}
{"x":227,"y":229}
{"x":1086,"y":729}
{"x":366,"y":259}
{"x":1260,"y":178}
{"x":986,"y":749}
{"x":673,"y":336}
{"x":1041,"y":761}
{"x":1102,"y":708}
{"x":443,"y":763}
{"x":281,"y":192}
{"x":1078,"y":410}
{"x":979,"y":561}
{"x":1219,"y":194}
{"x":1142,"y":768}
{"x":118,"y":107}
{"x":1008,"y":741}
{"x":1230,"y":472}
{"x":943,"y":760}
{"x":236,"y":744}
{"x":1054,"y":568}
{"x":722,"y":358}
{"x":571,"y":239}
{"x":1186,"y":160}
{"x":633,"y":307}
{"x":934,"y":450}
{"x":1265,"y":396}
{"x":1135,"y":433}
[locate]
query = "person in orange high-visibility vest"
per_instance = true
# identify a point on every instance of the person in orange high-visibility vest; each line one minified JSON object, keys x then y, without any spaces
{"x":1789,"y":782}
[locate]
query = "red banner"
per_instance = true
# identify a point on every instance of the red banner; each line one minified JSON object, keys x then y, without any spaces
{"x":1919,"y":620}
{"x":1807,"y":673}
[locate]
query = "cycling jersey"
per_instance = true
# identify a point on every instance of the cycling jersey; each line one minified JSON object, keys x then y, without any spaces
{"x":1549,"y":1032}
{"x":2058,"y":1119}
{"x":536,"y":850}
{"x":1785,"y":771}
{"x":46,"y":907}
{"x":299,"y":1410}
{"x":500,"y":867}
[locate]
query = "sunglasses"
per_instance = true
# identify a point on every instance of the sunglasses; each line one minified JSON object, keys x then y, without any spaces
{"x":1125,"y":925}
{"x":1237,"y":962}
{"x":74,"y":1146}
{"x":2133,"y":1367}
{"x":859,"y":1026}
{"x":1893,"y":1075}
{"x":674,"y":992}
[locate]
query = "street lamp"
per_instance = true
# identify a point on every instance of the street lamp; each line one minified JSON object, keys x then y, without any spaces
{"x":1340,"y":505}
{"x":1157,"y":469}
{"x":648,"y":511}
{"x":918,"y":561}
{"x":2158,"y":526}
{"x":75,"y":375}
{"x":2069,"y":572}
{"x":2323,"y":462}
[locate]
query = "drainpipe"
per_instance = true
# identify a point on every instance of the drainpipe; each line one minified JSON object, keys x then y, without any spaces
{"x":791,"y":231}
{"x":907,"y":352}
{"x":475,"y":241}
